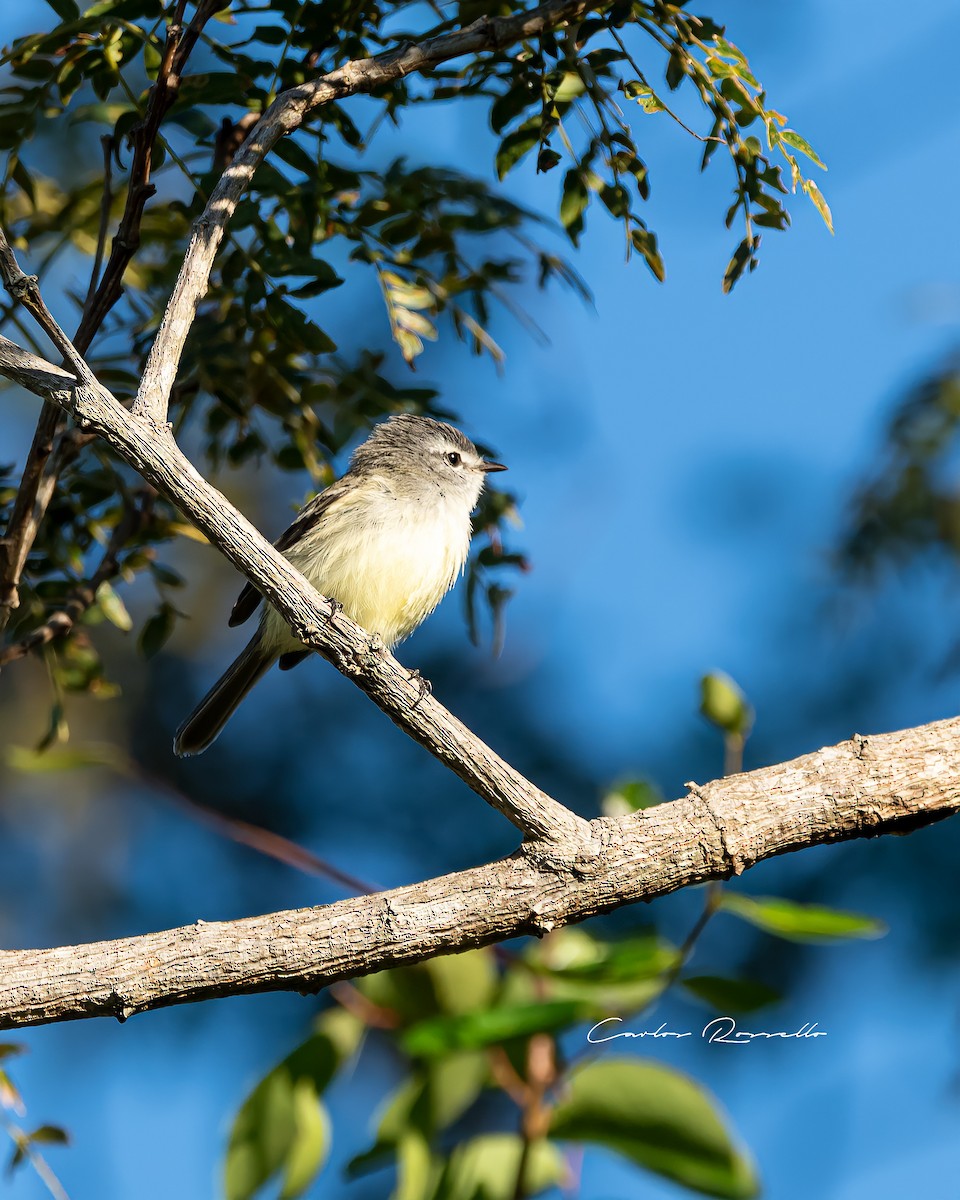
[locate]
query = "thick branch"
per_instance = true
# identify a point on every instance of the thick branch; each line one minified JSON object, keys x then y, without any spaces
{"x":862,"y":788}
{"x":151,"y":450}
{"x":285,"y":115}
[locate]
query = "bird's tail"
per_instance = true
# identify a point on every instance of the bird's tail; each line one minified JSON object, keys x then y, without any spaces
{"x":204,"y":724}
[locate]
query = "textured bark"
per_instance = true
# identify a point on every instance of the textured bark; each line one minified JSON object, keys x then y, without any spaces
{"x":862,"y":788}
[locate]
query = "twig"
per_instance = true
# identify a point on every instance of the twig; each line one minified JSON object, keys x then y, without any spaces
{"x":535,"y":1116}
{"x":244,"y":833}
{"x":105,"y":201}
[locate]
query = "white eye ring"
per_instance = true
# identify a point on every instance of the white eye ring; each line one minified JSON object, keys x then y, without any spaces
{"x":453,"y":458}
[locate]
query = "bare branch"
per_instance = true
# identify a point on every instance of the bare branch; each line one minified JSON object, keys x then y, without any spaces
{"x":151,"y":450}
{"x":285,"y":115}
{"x":865,"y":787}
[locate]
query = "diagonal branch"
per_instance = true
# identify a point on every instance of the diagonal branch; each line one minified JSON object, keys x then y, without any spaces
{"x":152,"y":451}
{"x":285,"y":115}
{"x":865,"y":787}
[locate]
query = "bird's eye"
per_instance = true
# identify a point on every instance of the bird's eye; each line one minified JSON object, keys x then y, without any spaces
{"x":453,"y":458}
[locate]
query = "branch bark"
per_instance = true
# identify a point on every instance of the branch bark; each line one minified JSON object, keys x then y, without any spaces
{"x":862,"y":788}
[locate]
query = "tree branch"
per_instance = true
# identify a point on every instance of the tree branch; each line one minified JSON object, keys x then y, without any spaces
{"x":152,"y":451}
{"x":865,"y":787}
{"x":285,"y":115}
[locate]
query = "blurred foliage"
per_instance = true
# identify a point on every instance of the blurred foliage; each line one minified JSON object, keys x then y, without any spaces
{"x":28,"y":1144}
{"x":507,"y":1040}
{"x":260,"y":378}
{"x":911,"y":506}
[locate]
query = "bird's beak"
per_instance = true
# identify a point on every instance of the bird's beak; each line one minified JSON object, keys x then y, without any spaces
{"x":486,"y":467}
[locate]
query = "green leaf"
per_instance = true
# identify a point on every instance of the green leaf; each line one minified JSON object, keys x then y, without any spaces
{"x":724,"y":704}
{"x":310,"y":1143}
{"x":113,"y":607}
{"x":463,"y":983}
{"x":547,"y":159}
{"x":731,"y":995}
{"x":417,"y":1169}
{"x":66,"y":10}
{"x":439,"y":1035}
{"x":570,"y":86}
{"x":65,"y":758}
{"x":214,"y":87}
{"x":281,"y":1127}
{"x":820,"y":203}
{"x":646,"y":242}
{"x":800,"y":922}
{"x":515,"y":145}
{"x":743,"y":255}
{"x":574,"y":199}
{"x":486,"y":1168}
{"x":156,"y":631}
{"x":792,"y":138}
{"x":645,"y":96}
{"x":629,"y":796}
{"x":658,"y":1118}
{"x":52,"y":1135}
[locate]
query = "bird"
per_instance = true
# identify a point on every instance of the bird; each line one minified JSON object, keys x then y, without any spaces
{"x":385,"y":543}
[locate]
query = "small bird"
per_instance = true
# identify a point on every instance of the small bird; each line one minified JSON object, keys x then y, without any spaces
{"x":386,"y":542}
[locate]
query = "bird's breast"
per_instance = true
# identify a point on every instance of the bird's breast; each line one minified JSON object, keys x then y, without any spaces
{"x":389,"y":561}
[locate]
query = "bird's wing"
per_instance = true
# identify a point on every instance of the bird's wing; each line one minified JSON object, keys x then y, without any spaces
{"x":249,"y":599}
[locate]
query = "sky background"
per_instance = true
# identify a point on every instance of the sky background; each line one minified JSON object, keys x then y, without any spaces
{"x":685,"y":461}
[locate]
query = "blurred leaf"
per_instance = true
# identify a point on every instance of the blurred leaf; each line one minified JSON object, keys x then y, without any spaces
{"x":630,"y":796}
{"x":792,"y":138}
{"x":731,"y":995}
{"x":514,"y":146}
{"x":51,"y":1135}
{"x":157,"y":630}
{"x":800,"y":922}
{"x":655,"y":1117}
{"x":65,"y":758}
{"x":486,"y":1168}
{"x":281,"y":1126}
{"x":820,"y":203}
{"x":440,"y":1035}
{"x":113,"y":607}
{"x":465,"y":982}
{"x":724,"y":704}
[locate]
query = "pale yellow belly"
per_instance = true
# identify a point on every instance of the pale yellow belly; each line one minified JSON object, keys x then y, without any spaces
{"x":388,"y":564}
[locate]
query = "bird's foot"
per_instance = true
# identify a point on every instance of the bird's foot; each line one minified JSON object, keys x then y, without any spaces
{"x":424,"y":686}
{"x":336,"y":608}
